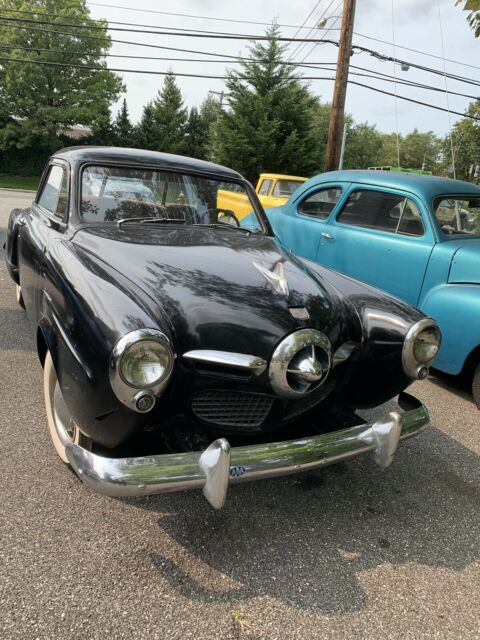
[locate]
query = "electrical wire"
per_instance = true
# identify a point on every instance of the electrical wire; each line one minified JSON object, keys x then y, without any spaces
{"x":299,"y":46}
{"x":395,"y":85}
{"x":375,"y":54}
{"x":446,"y":89}
{"x":323,"y":36}
{"x":211,"y":77}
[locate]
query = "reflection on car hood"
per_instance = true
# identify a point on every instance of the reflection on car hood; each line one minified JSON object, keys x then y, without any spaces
{"x":465,"y":266}
{"x":205,"y":282}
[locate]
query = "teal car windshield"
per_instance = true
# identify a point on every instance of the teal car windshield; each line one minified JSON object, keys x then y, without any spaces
{"x":115,"y":194}
{"x":458,"y":215}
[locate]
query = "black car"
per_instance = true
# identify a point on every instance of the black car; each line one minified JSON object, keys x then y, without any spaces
{"x":183,"y":347}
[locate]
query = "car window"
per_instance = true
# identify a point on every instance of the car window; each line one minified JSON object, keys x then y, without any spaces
{"x":458,"y":215}
{"x":265,"y":187}
{"x":53,"y":197}
{"x":285,"y":188}
{"x":321,"y":203}
{"x":382,"y":211}
{"x":111,"y":194}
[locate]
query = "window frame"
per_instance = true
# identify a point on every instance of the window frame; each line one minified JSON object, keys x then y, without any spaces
{"x":387,"y":191}
{"x":323,"y":187}
{"x":51,"y":215}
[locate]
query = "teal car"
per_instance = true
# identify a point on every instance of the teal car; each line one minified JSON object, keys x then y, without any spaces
{"x":415,"y":236}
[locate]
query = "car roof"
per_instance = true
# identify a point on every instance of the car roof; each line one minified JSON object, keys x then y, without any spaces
{"x":282,"y":176}
{"x":86,"y":153}
{"x":423,"y":185}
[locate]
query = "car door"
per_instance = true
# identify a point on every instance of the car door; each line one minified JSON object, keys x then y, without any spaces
{"x":45,"y":223}
{"x":300,"y":223}
{"x":382,"y":237}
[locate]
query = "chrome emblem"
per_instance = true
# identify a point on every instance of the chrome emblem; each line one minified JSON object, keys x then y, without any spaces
{"x":236,"y":472}
{"x":274,"y":275}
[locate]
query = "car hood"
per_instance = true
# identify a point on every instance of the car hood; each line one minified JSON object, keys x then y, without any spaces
{"x":465,"y":265}
{"x":208,"y":285}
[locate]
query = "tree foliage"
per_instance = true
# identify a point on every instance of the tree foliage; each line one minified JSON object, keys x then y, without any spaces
{"x":466,"y":142}
{"x":169,"y":118}
{"x":123,"y":132}
{"x":269,"y":122}
{"x":36,"y":101}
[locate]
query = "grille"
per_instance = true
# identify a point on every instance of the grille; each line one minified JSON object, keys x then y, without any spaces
{"x":232,"y":408}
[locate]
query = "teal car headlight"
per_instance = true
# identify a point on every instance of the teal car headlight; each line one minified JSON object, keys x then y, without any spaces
{"x":420,"y":348}
{"x":141,"y":365}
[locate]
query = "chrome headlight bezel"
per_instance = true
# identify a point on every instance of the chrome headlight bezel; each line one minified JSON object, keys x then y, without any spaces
{"x":284,"y":354}
{"x":412,"y":365}
{"x":139,"y":398}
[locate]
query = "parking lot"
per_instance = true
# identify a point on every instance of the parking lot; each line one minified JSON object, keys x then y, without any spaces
{"x":350,"y":551}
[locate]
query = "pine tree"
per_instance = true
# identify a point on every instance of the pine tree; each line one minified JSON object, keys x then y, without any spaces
{"x":170,"y":118}
{"x":195,"y":135}
{"x":122,"y":127}
{"x":144,"y":132}
{"x":269,"y":125}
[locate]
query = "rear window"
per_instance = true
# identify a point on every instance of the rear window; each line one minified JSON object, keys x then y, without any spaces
{"x":458,"y":215}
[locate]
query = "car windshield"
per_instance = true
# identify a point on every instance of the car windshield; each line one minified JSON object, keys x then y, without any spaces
{"x":285,"y":188}
{"x":458,"y":215}
{"x":114,"y":194}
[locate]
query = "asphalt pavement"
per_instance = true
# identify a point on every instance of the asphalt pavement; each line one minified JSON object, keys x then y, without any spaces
{"x":350,"y":551}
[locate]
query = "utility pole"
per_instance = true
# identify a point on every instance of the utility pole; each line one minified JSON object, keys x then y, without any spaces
{"x":221,"y":95}
{"x":335,"y":127}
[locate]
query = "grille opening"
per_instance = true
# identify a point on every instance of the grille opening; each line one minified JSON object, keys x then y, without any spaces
{"x":232,"y":408}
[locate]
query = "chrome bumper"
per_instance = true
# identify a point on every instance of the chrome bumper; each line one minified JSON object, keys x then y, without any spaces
{"x":217,"y":466}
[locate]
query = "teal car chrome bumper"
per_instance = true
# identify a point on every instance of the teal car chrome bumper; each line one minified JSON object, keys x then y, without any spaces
{"x":213,"y":469}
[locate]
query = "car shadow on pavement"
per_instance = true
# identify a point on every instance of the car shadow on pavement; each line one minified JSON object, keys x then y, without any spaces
{"x":307,"y":539}
{"x":459,"y":385}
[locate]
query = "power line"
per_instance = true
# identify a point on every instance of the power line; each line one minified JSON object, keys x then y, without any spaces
{"x":296,"y":50}
{"x":371,"y":52}
{"x":186,"y":15}
{"x":323,"y":36}
{"x":211,"y":77}
{"x":371,"y":73}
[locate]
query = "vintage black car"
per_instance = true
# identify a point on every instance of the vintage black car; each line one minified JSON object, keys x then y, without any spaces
{"x":162,"y":320}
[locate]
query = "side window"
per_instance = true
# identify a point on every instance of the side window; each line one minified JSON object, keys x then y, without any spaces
{"x":265,"y":188}
{"x":54,"y":195}
{"x":382,"y":211}
{"x":321,"y":203}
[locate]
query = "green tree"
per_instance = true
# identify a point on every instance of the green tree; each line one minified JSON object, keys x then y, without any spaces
{"x":269,"y":123}
{"x":363,"y":145}
{"x":170,"y":118}
{"x":144,"y":132}
{"x":122,"y":127}
{"x":195,"y":133}
{"x":473,"y":17}
{"x":39,"y":100}
{"x":466,"y":143}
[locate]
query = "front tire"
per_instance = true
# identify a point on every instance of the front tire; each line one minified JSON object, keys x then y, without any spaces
{"x":476,"y":386}
{"x":62,"y":428}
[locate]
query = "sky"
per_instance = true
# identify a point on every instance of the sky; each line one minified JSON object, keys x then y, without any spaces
{"x":415,"y":25}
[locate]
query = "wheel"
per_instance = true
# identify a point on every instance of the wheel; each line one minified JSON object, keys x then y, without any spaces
{"x":18,"y":295}
{"x":476,"y":386}
{"x":62,"y":429}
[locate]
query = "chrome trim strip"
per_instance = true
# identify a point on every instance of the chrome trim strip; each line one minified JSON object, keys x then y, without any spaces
{"x":153,"y":474}
{"x":229,"y":359}
{"x":343,"y":352}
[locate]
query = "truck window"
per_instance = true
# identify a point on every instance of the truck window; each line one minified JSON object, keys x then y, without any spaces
{"x":265,"y":188}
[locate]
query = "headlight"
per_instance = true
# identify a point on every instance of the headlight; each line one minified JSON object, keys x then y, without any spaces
{"x":145,"y":363}
{"x":420,"y":348}
{"x":140,"y":367}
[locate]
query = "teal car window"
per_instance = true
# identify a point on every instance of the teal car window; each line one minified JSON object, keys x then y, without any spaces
{"x":321,"y":203}
{"x":458,"y":215}
{"x":382,"y":211}
{"x":53,"y":197}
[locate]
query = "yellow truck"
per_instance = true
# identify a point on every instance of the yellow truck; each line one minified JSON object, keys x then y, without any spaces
{"x":273,"y":189}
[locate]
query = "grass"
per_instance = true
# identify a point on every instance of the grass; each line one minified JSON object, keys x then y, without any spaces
{"x":19,"y":182}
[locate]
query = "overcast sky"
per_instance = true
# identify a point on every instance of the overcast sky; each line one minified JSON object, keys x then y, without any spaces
{"x":416,"y":26}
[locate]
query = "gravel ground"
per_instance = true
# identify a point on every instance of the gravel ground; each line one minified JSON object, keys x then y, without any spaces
{"x":347,"y":552}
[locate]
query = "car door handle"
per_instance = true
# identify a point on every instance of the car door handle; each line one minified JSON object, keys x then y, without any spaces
{"x":326,"y":235}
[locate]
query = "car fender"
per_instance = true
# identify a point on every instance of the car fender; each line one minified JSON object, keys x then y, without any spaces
{"x":456,"y":308}
{"x":11,"y":244}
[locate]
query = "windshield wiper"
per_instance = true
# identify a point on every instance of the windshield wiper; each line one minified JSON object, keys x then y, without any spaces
{"x":222,"y":225}
{"x":141,"y":220}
